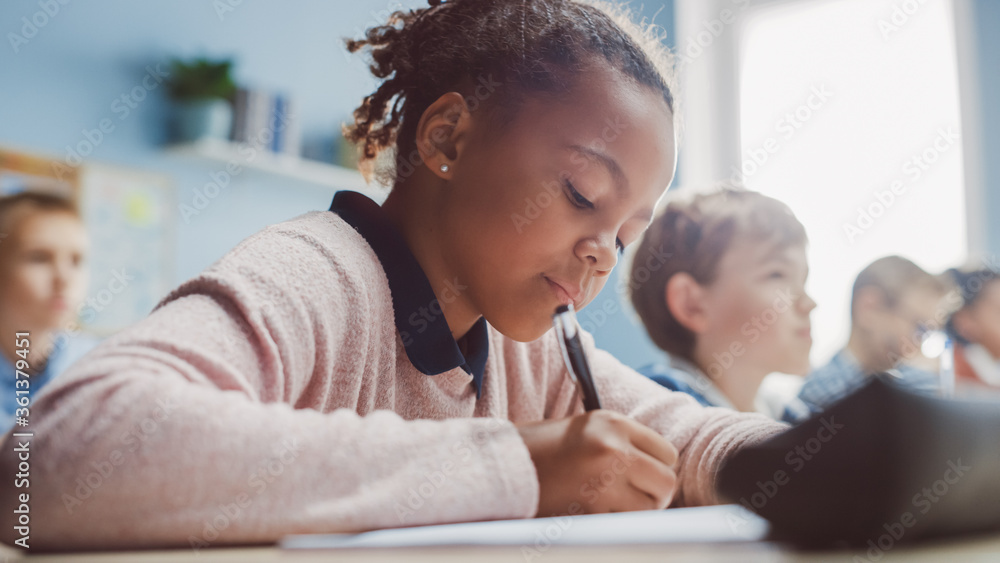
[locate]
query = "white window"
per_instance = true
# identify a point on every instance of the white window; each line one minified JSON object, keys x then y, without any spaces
{"x":849,"y":113}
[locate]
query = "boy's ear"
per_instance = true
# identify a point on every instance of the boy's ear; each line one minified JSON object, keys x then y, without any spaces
{"x":686,"y":302}
{"x":442,"y":132}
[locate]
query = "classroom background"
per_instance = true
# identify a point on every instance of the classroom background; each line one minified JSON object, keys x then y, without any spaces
{"x":875,"y":121}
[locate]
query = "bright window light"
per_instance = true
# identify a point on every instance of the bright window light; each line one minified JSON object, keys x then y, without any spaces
{"x":849,"y":113}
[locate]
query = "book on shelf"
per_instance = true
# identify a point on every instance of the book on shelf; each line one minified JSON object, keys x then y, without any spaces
{"x":267,"y":121}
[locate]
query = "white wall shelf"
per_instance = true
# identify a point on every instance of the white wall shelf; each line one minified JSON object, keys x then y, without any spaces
{"x":287,"y":166}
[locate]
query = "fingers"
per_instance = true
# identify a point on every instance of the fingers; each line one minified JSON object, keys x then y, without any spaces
{"x":649,"y":441}
{"x":653,"y":478}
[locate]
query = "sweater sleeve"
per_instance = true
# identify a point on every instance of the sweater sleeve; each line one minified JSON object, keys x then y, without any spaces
{"x":703,"y":436}
{"x":182,"y":430}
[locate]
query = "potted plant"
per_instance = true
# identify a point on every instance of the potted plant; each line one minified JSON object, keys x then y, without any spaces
{"x":202,"y":91}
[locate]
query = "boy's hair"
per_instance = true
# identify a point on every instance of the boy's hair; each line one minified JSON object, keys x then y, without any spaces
{"x":15,"y":207}
{"x":691,"y":235}
{"x":474,"y":47}
{"x":892,"y":276}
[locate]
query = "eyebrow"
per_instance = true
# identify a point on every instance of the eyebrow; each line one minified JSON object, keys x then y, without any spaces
{"x":621,"y":182}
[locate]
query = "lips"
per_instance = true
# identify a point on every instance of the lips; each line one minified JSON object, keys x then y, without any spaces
{"x":566,"y":292}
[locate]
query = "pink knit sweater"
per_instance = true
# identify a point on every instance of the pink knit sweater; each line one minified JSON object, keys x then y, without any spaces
{"x":271,"y":395}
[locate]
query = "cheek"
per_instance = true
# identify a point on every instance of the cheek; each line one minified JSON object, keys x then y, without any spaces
{"x":744,"y":305}
{"x":77,"y":285}
{"x":989,"y":330}
{"x":28,"y":284}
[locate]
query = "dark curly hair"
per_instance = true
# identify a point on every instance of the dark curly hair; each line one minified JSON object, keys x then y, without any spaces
{"x":527,"y":47}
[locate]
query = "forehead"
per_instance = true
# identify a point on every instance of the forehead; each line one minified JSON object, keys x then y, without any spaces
{"x":922,"y":300}
{"x":991,"y":291}
{"x":607,"y":111}
{"x":746,"y":254}
{"x":54,"y":228}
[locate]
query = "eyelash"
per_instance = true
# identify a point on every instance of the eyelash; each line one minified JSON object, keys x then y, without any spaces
{"x":577,"y":199}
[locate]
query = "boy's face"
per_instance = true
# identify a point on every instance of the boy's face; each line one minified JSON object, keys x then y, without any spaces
{"x":42,"y":279}
{"x":981,"y":322}
{"x":757,"y":309}
{"x":893,"y":332}
{"x":513,"y":224}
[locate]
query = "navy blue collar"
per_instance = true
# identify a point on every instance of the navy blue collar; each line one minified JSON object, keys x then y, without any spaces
{"x":421,"y":325}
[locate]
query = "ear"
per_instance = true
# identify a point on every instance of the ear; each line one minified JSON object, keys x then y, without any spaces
{"x":442,"y":133}
{"x":686,"y":302}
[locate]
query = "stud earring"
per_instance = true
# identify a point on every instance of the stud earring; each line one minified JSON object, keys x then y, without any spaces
{"x":444,"y":168}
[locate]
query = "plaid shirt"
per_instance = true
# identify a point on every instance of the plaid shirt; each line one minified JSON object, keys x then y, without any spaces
{"x":841,"y":377}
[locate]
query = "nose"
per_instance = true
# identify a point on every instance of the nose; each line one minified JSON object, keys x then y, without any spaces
{"x":806,"y":303}
{"x":600,"y":253}
{"x":63,"y":269}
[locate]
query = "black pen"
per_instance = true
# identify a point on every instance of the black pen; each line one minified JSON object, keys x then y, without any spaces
{"x":568,"y":333}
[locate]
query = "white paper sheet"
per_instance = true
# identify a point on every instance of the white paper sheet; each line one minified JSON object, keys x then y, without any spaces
{"x":726,"y":523}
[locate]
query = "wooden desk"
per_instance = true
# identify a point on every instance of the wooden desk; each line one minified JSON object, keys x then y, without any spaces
{"x":986,"y":550}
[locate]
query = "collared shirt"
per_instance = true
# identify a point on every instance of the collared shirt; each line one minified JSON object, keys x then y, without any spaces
{"x":422,"y":326}
{"x":67,"y":349}
{"x":843,"y":375}
{"x":682,"y":375}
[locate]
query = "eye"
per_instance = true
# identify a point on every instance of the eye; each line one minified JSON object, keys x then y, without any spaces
{"x":37,"y":256}
{"x":576,"y":198}
{"x":776,"y":275}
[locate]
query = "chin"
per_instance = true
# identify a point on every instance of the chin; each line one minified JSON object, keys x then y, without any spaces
{"x":521,"y":331}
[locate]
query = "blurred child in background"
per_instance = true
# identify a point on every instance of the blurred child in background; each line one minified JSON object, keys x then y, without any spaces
{"x":893,"y":304}
{"x":975,"y":330}
{"x":726,"y":298}
{"x":43,"y":246}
